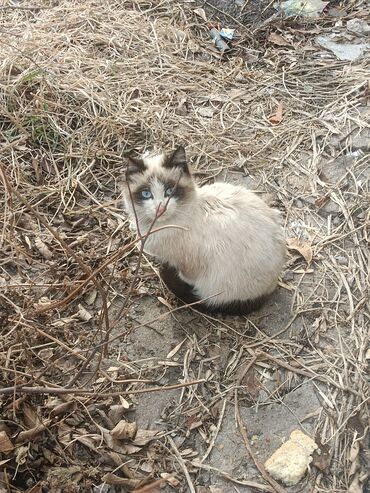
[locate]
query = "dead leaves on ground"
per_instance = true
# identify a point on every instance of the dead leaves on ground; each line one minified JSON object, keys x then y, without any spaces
{"x":277,"y":118}
{"x":63,"y":428}
{"x":278,"y":40}
{"x":6,"y":445}
{"x":124,"y":430}
{"x":301,"y":247}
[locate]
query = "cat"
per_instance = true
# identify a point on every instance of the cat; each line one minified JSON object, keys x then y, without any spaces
{"x":228,"y":248}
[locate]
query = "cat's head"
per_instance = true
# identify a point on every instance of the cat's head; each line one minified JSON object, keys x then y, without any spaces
{"x":159,"y":186}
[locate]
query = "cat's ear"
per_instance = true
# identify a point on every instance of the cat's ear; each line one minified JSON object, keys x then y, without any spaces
{"x":134,"y":165}
{"x":178,"y":160}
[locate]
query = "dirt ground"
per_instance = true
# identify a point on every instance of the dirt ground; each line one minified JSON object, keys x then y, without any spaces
{"x":91,"y":339}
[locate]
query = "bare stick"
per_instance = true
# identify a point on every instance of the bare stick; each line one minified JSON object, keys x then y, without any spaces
{"x":19,"y":389}
{"x":307,"y":373}
{"x":148,"y":488}
{"x":258,"y":464}
{"x":182,"y":465}
{"x":243,"y":482}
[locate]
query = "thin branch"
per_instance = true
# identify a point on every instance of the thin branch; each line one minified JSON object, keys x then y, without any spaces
{"x":257,"y":462}
{"x":19,"y":389}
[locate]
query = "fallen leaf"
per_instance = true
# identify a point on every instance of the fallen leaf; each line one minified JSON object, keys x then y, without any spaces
{"x":21,"y":454}
{"x":112,"y":479}
{"x":90,"y":297}
{"x":144,"y":436}
{"x":29,"y":435}
{"x":355,"y":422}
{"x":116,"y":412}
{"x":90,"y":441}
{"x":175,"y":349}
{"x":63,"y":408}
{"x":30,"y":416}
{"x":201,"y":13}
{"x":83,"y":314}
{"x":45,"y":353}
{"x":2,"y":462}
{"x":243,"y":94}
{"x":146,"y":467}
{"x":251,"y":384}
{"x":43,"y":249}
{"x":130,"y":449}
{"x":124,"y":430}
{"x":193,"y":46}
{"x":278,"y":116}
{"x":164,"y":302}
{"x":300,"y":246}
{"x":6,"y":445}
{"x":354,"y":452}
{"x":150,"y":488}
{"x":170,"y":478}
{"x":277,"y":39}
{"x":124,"y":403}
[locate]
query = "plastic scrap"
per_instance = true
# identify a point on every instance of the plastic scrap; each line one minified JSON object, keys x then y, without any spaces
{"x":304,"y":8}
{"x":218,"y":40}
{"x":227,"y":33}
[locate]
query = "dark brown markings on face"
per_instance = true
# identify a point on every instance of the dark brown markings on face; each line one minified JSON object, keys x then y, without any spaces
{"x":134,"y":166}
{"x":180,"y":191}
{"x":177,"y":159}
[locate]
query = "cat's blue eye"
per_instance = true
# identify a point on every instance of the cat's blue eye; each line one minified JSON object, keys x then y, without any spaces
{"x":146,"y":194}
{"x":168,"y":192}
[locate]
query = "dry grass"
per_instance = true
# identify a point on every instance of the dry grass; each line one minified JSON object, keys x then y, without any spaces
{"x":81,"y":85}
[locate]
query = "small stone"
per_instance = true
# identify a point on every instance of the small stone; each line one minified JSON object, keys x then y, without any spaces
{"x":343,"y":51}
{"x":337,"y":220}
{"x":299,"y":203}
{"x":334,"y":12}
{"x":329,"y":208}
{"x":290,"y":462}
{"x":358,"y":26}
{"x":206,"y":112}
{"x":361,"y":140}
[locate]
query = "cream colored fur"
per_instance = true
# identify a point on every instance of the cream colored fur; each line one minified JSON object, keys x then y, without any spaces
{"x":233,"y":246}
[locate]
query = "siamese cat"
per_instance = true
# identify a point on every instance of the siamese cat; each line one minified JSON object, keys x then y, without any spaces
{"x":228,"y":249}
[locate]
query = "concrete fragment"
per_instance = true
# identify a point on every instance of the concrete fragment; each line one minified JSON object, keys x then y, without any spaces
{"x":290,"y":462}
{"x":343,"y":51}
{"x":358,"y":26}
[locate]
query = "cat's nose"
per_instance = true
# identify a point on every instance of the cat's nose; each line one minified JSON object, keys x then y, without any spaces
{"x":160,"y":210}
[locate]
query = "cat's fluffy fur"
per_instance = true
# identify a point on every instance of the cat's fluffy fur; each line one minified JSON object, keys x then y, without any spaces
{"x":232,"y":249}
